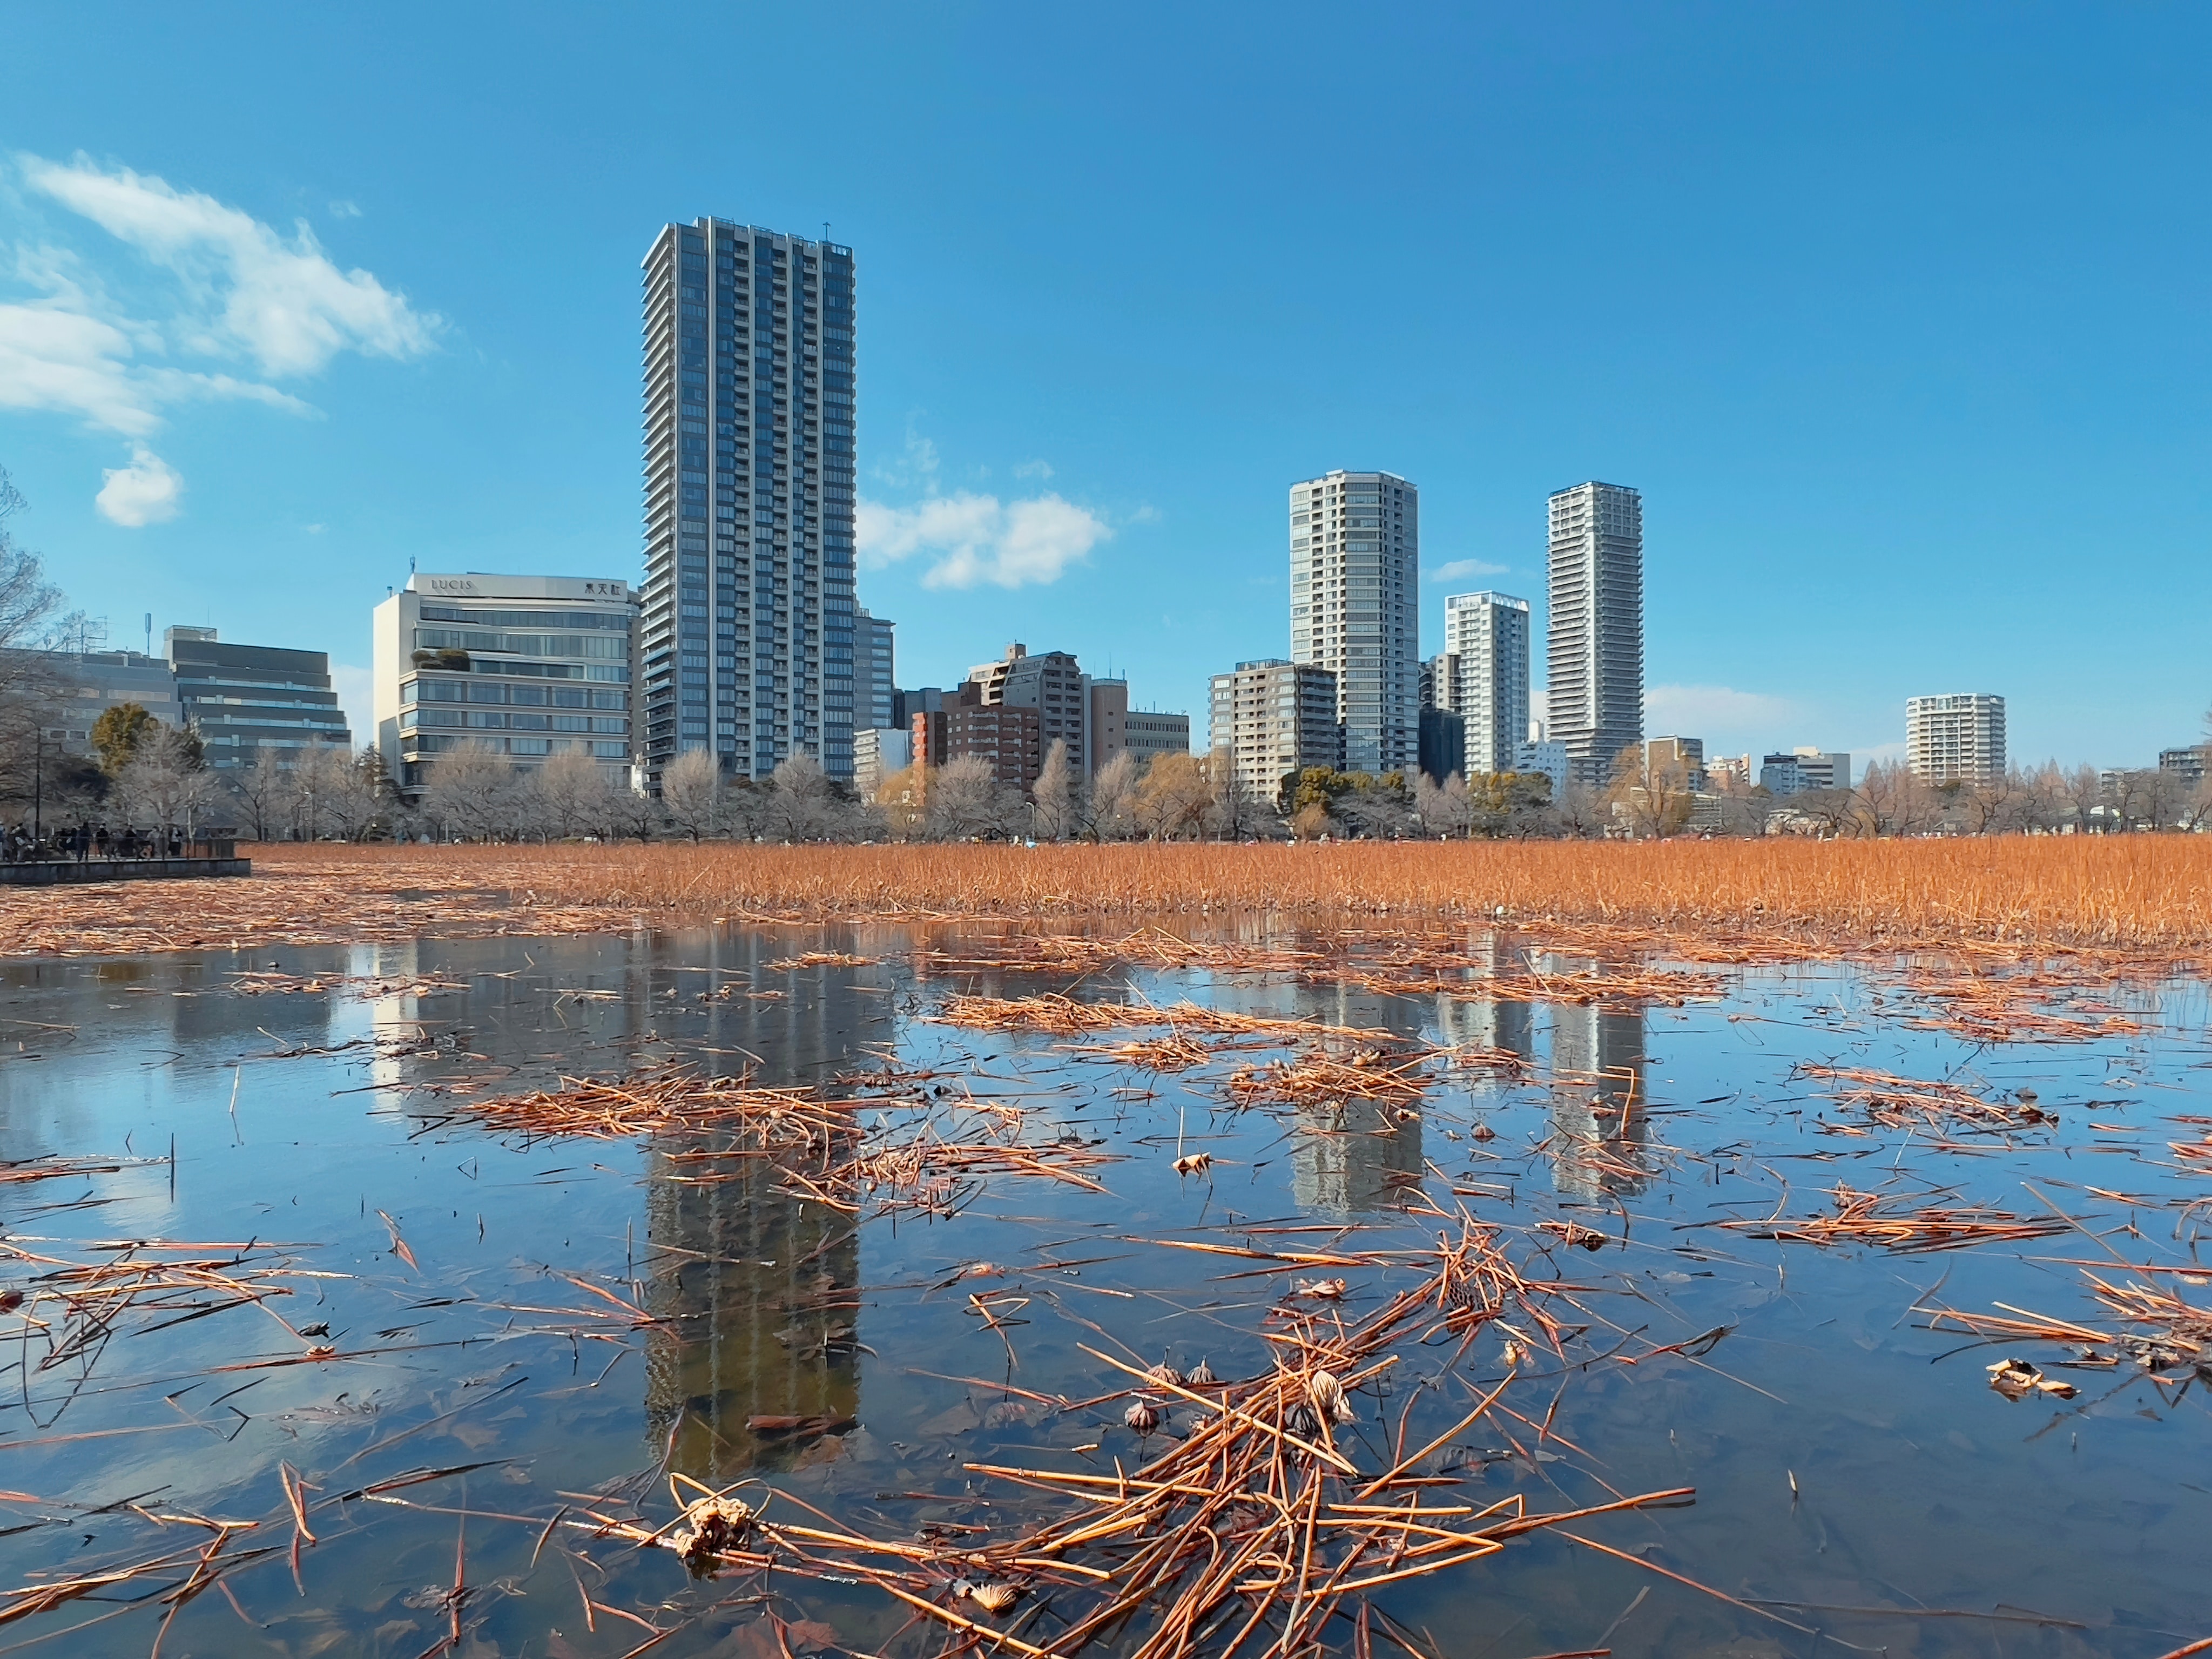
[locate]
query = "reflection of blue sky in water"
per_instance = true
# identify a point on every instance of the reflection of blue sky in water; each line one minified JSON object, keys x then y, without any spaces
{"x":1917,"y":1484}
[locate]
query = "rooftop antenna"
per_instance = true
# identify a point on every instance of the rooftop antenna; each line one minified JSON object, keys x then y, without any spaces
{"x":149,"y":633}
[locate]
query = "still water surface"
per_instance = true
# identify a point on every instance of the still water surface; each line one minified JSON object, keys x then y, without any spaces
{"x":1856,"y":1474}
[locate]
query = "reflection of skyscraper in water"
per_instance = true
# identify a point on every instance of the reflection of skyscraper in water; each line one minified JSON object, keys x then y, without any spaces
{"x":1354,"y":1158}
{"x":759,"y":1292}
{"x":1490,"y":1024}
{"x":1597,"y":1101}
{"x":758,"y":1289}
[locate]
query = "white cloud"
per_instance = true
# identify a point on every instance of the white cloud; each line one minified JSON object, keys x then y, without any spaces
{"x":282,"y":302}
{"x":145,"y":492}
{"x":1034,"y":469}
{"x":225,"y":288}
{"x":343,"y":208}
{"x":1702,"y":710}
{"x":974,"y":539}
{"x":1459,"y":567}
{"x":916,"y":465}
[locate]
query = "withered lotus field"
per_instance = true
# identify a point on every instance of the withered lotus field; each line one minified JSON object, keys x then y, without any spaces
{"x":1045,"y":1272}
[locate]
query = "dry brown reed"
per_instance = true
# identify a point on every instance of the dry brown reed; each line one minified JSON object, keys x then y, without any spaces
{"x":1900,"y":1102}
{"x":1783,"y":897}
{"x":1895,"y":1224}
{"x":1256,"y":1527}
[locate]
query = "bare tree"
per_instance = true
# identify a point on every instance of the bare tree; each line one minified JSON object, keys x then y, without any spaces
{"x":1443,"y":809}
{"x":691,"y":790}
{"x":471,"y":793}
{"x":802,"y":802}
{"x":1581,"y":812}
{"x":966,"y":802}
{"x":262,"y":792}
{"x":33,"y":682}
{"x":570,"y":793}
{"x":1653,"y":798}
{"x":1055,"y":793}
{"x":1114,"y":798}
{"x":163,"y":784}
{"x":1893,"y":802}
{"x":634,"y":812}
{"x":1174,"y":798}
{"x":328,"y":791}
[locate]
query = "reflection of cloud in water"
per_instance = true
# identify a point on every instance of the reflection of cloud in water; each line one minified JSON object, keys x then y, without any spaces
{"x":1597,"y":1072}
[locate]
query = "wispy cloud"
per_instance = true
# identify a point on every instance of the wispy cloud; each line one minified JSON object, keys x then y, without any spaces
{"x":147,"y":491}
{"x":973,"y":539}
{"x":1034,"y":469}
{"x":1459,"y":569}
{"x":343,"y":208}
{"x":1705,"y":710}
{"x":215,"y":284}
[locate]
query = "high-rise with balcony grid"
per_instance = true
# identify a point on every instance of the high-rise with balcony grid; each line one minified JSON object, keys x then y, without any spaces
{"x":1957,"y":738}
{"x":1596,"y":634}
{"x":1486,"y":639}
{"x":745,"y":644}
{"x":1355,"y":560}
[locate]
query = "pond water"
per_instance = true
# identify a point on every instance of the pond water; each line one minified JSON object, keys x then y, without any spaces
{"x":546,"y":1326}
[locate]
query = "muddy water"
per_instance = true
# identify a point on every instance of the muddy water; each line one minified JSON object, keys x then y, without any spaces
{"x":1860,"y":1486}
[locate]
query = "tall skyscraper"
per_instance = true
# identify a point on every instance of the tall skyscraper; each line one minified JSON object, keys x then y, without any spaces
{"x":1486,"y":639}
{"x":1960,"y":737}
{"x":1596,"y":654}
{"x":745,"y":636}
{"x":1355,"y":560}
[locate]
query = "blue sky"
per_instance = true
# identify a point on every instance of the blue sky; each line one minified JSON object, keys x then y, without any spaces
{"x":1895,"y":315}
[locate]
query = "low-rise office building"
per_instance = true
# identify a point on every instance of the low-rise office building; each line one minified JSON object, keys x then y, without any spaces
{"x":1802,"y":769}
{"x":250,"y":703}
{"x":1148,"y":734}
{"x":97,"y":681}
{"x":527,"y":667}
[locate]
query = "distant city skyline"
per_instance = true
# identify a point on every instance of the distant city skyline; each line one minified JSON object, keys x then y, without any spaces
{"x":249,"y":368}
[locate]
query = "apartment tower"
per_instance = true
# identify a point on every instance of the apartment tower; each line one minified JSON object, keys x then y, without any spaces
{"x":746,"y":630}
{"x":1271,"y":719}
{"x":1596,"y":637}
{"x":1955,"y":739}
{"x":1355,"y":560}
{"x":1486,"y":640}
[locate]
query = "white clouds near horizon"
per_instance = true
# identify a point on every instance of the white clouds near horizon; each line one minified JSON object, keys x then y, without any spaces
{"x":228,"y":288}
{"x":1457,"y":568}
{"x":972,"y":540}
{"x":1699,"y":710}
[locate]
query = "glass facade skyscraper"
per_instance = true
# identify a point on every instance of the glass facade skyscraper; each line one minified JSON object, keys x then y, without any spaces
{"x":746,"y":629}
